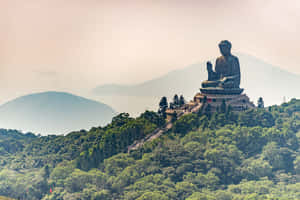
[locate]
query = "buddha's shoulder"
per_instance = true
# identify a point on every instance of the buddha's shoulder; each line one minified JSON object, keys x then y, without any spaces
{"x":220,"y":59}
{"x":230,"y":58}
{"x":234,"y":58}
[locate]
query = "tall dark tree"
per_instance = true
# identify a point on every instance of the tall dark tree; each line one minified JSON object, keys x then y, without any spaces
{"x":163,"y":102}
{"x":46,"y":172}
{"x":223,"y":106}
{"x":228,"y":110}
{"x":181,"y":100}
{"x":172,"y":105}
{"x":163,"y":105}
{"x":174,"y":117}
{"x":207,"y":110}
{"x":260,"y":103}
{"x":176,"y":100}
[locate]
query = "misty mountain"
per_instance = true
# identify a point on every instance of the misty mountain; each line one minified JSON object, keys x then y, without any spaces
{"x":53,"y":113}
{"x":258,"y":79}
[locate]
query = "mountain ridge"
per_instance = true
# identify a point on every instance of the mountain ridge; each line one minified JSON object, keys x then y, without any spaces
{"x":53,"y":112}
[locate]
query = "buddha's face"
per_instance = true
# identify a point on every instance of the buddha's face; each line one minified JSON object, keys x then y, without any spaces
{"x":225,"y":50}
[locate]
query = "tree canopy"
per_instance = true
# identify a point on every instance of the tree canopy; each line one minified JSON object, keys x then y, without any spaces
{"x":248,"y":155}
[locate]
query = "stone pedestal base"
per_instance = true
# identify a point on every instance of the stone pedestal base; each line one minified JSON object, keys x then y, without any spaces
{"x":237,"y":102}
{"x":218,"y":90}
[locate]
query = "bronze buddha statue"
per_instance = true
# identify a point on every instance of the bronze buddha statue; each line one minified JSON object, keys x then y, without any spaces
{"x":227,"y":77}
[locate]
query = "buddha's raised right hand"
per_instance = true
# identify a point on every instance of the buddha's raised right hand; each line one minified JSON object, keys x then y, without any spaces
{"x":209,"y":66}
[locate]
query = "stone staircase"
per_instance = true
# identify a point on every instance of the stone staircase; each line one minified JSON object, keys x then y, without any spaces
{"x":160,"y":131}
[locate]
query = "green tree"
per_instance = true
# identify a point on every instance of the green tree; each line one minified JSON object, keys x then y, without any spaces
{"x":163,"y":105}
{"x":181,"y":100}
{"x":253,"y":169}
{"x":223,"y":106}
{"x":260,"y":103}
{"x":297,"y":165}
{"x":153,"y":196}
{"x":207,"y":110}
{"x":175,"y":101}
{"x":278,"y":157}
{"x":153,"y":118}
{"x":186,"y":123}
{"x":174,"y":117}
{"x":121,"y":119}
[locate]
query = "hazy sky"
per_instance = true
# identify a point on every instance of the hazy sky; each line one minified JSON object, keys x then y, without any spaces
{"x":75,"y":45}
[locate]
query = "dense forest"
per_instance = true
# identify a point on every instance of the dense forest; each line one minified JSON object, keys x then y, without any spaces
{"x":249,"y":155}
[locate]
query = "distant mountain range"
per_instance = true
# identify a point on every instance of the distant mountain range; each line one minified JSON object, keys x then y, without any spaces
{"x":258,"y":79}
{"x":60,"y":113}
{"x":53,"y":113}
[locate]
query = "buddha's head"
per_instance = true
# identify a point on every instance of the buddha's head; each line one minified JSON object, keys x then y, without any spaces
{"x":225,"y":47}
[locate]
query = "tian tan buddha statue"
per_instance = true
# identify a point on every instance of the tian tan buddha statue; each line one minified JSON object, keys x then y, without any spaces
{"x":227,"y":77}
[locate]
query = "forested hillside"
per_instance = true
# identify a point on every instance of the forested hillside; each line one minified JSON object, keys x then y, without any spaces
{"x":251,"y":155}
